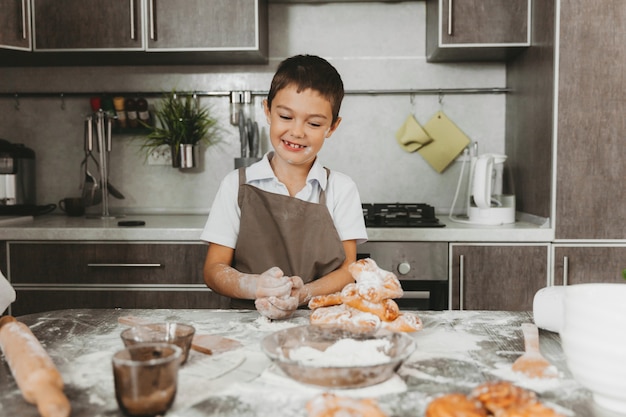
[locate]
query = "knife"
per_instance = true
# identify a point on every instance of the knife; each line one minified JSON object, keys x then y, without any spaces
{"x":243,"y":137}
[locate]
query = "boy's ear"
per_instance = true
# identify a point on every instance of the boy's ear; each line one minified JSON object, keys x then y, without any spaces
{"x":333,"y":128}
{"x":266,"y":109}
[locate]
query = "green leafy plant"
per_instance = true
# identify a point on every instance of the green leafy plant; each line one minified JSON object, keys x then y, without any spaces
{"x":181,"y":120}
{"x":624,"y":273}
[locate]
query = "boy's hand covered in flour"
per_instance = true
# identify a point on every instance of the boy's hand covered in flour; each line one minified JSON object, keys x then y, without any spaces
{"x":277,"y":295}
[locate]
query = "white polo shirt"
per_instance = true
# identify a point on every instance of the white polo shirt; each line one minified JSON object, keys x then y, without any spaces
{"x":342,"y":199}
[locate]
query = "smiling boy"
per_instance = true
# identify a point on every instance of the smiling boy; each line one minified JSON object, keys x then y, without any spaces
{"x":285,"y":229}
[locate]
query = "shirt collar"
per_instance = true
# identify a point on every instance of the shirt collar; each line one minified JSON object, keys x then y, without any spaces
{"x":262,"y":170}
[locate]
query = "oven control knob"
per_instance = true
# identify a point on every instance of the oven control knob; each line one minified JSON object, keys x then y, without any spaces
{"x":404,"y":268}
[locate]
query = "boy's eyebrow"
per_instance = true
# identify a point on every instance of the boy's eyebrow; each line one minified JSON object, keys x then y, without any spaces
{"x":279,"y":106}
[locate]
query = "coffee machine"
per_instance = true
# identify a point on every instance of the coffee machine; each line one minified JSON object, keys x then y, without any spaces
{"x":17,"y":179}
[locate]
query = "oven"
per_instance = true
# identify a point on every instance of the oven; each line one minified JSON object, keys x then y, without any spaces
{"x":421,"y":267}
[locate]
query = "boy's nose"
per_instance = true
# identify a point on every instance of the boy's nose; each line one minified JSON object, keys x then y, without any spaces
{"x":297,"y":131}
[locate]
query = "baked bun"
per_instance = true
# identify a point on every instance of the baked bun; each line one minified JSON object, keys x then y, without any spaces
{"x":501,"y":395}
{"x":455,"y":405}
{"x":331,"y":405}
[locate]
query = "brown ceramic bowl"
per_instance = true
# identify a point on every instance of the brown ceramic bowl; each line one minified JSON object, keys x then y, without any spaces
{"x":178,"y":334}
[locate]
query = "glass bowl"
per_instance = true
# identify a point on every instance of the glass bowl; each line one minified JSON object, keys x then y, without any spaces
{"x":336,"y":357}
{"x":178,"y":334}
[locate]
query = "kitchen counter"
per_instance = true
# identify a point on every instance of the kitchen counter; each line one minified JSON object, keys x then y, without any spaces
{"x":456,"y":351}
{"x":165,"y":227}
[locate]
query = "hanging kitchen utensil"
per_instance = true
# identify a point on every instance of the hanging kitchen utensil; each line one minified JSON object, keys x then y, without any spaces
{"x":532,"y":363}
{"x":254,"y":141}
{"x":89,"y":183}
{"x":243,"y":135}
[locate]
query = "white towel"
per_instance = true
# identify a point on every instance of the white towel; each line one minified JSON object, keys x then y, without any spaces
{"x":7,"y":293}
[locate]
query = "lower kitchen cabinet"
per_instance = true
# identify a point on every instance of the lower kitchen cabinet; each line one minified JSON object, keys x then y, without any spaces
{"x":585,"y":263}
{"x":57,"y":275}
{"x":497,"y":277}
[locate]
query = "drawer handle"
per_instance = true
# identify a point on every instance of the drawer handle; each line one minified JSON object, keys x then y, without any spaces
{"x":124,"y":265}
{"x":416,"y":295}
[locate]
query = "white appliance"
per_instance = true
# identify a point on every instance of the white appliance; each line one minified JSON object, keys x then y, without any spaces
{"x":489,"y":201}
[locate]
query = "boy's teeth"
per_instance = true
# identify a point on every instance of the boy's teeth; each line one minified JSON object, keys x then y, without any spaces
{"x":294,"y":145}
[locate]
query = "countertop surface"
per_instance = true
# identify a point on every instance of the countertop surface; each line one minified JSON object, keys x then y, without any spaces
{"x":188,"y":227}
{"x":456,"y":351}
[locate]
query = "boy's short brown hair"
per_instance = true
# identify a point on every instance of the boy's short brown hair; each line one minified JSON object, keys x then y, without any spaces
{"x":309,"y":72}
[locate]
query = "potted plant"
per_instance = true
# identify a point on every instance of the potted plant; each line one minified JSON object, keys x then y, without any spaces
{"x":182,"y":124}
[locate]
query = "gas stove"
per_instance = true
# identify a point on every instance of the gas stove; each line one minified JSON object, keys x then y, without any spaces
{"x":400,"y":215}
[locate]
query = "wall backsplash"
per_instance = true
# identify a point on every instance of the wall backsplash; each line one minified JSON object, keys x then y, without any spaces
{"x":381,"y":47}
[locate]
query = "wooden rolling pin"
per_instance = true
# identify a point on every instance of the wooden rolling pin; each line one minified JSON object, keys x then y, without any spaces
{"x":33,"y":370}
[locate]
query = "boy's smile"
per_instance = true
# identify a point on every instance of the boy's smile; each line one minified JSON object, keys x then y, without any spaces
{"x":299,"y":123}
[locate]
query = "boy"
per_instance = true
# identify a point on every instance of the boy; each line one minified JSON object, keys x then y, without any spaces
{"x":285,"y":229}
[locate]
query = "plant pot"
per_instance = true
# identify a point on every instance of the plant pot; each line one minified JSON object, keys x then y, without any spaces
{"x":185,"y":156}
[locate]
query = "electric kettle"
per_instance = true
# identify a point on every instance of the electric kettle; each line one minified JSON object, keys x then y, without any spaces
{"x":488,"y":204}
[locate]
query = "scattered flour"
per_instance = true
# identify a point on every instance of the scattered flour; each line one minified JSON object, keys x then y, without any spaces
{"x":266,"y":325}
{"x":344,"y":352}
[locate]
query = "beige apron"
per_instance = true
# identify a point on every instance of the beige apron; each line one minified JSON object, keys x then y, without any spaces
{"x":278,"y":230}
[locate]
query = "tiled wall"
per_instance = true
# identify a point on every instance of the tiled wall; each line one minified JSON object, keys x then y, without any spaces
{"x":374,"y":46}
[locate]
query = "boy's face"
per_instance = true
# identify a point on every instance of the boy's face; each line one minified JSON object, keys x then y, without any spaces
{"x":299,"y":124}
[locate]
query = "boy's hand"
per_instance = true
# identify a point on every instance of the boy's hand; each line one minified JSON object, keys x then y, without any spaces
{"x":272,"y":283}
{"x":276,"y":308}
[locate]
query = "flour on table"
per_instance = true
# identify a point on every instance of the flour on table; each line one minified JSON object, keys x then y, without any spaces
{"x":266,"y":325}
{"x":344,"y":352}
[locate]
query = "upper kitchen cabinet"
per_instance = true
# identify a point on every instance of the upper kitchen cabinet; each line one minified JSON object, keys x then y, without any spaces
{"x":476,"y":30}
{"x":204,"y":25}
{"x":146,"y":32}
{"x":15,"y":30}
{"x":87,"y":25}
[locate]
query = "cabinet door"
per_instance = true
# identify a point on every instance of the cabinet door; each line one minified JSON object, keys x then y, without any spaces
{"x":591,"y":151}
{"x":497,"y":277}
{"x":85,"y":25}
{"x":484,"y":21}
{"x":56,"y":275}
{"x":15,"y":24}
{"x":204,"y":24}
{"x":30,"y":300}
{"x":106,"y":263}
{"x":476,"y":29}
{"x":577,"y":264}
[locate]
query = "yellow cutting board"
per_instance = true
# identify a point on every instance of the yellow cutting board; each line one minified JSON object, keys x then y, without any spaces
{"x":448,"y":142}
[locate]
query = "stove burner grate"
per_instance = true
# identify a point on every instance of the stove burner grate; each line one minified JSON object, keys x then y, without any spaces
{"x":400,"y":215}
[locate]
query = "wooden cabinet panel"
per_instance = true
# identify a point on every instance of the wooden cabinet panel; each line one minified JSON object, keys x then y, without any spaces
{"x":107,"y":263}
{"x":591,"y":151}
{"x":590,"y":263}
{"x":55,"y":275}
{"x":476,"y":30}
{"x":497,"y":277}
{"x":34,"y":301}
{"x":203,"y":24}
{"x":87,"y":25}
{"x":15,"y":30}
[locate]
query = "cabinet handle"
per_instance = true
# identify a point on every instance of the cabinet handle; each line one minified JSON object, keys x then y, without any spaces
{"x":461,"y":279}
{"x":123,"y":265}
{"x":152,"y":19}
{"x":565,"y":269}
{"x":131,"y":4}
{"x":449,"y":17}
{"x":416,"y":295}
{"x":24,"y":10}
